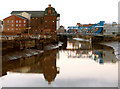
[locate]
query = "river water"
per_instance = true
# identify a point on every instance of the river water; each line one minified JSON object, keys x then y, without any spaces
{"x":74,"y":64}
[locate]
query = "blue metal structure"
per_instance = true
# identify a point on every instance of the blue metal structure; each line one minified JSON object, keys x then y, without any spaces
{"x":94,"y":29}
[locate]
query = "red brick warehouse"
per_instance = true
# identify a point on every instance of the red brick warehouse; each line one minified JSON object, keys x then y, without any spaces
{"x":37,"y":22}
{"x":15,"y":24}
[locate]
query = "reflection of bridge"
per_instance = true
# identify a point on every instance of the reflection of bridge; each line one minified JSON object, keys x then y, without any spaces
{"x":99,"y":53}
{"x":89,"y":36}
{"x":100,"y":56}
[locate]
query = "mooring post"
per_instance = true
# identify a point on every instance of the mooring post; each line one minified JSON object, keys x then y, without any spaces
{"x":91,"y":42}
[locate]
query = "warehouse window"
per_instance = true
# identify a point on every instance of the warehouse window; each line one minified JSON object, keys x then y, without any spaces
{"x":16,"y":28}
{"x":24,"y":21}
{"x":19,"y":25}
{"x":41,"y":21}
{"x":8,"y":21}
{"x":45,"y":26}
{"x":53,"y":26}
{"x":16,"y":25}
{"x":12,"y":29}
{"x":12,"y":25}
{"x":19,"y":21}
{"x":12,"y":21}
{"x":16,"y":21}
{"x":8,"y":29}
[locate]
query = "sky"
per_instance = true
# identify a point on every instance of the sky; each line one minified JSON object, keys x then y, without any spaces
{"x":71,"y":11}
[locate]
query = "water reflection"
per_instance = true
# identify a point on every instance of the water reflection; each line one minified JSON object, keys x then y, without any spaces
{"x":81,"y":55}
{"x":99,"y":53}
{"x":41,"y":64}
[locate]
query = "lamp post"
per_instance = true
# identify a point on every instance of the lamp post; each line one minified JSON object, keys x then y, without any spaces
{"x":29,"y":24}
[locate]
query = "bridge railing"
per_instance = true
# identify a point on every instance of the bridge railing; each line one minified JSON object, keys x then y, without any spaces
{"x":91,"y":34}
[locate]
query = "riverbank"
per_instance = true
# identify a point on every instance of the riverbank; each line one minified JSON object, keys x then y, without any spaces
{"x":115,"y":45}
{"x":30,"y":52}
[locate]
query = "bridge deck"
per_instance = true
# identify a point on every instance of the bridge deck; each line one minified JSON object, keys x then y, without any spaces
{"x":78,"y":34}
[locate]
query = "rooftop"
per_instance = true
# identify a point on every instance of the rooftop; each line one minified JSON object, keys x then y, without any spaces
{"x":33,"y":13}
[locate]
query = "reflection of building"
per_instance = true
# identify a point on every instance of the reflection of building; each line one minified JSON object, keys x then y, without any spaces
{"x":49,"y":67}
{"x":45,"y":64}
{"x":78,"y":45}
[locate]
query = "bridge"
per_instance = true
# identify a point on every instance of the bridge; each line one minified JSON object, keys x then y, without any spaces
{"x":93,"y":32}
{"x":87,"y":29}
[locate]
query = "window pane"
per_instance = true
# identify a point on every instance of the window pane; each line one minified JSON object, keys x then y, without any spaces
{"x":12,"y":21}
{"x":19,"y":21}
{"x":8,"y":21}
{"x":24,"y":21}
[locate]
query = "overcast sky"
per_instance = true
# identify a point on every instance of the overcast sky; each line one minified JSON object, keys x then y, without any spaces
{"x":71,"y":11}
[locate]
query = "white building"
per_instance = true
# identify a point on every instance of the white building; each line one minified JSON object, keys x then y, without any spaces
{"x":1,"y":26}
{"x":110,"y":29}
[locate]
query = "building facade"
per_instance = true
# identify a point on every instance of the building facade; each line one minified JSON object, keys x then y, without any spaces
{"x":110,"y":28}
{"x":41,"y":22}
{"x":15,"y":24}
{"x":1,"y":26}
